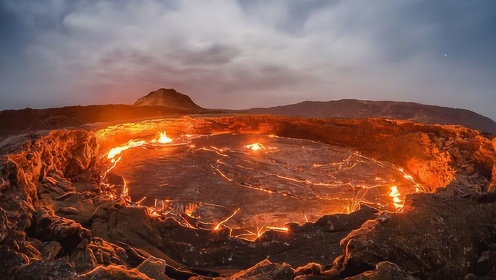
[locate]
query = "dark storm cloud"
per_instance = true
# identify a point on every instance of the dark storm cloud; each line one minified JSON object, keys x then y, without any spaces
{"x":248,"y":53}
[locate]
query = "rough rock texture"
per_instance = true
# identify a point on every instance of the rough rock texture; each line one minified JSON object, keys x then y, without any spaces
{"x":359,"y":109}
{"x":60,"y":154}
{"x":169,"y":240}
{"x":436,"y":237}
{"x":384,"y":271}
{"x":58,"y":269}
{"x":56,"y":221}
{"x":133,"y":226}
{"x":267,"y":270}
{"x":153,"y":268}
{"x":168,"y":98}
{"x":204,"y":249}
{"x":113,"y":272}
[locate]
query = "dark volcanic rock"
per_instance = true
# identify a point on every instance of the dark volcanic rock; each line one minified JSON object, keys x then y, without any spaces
{"x":384,"y":271}
{"x":486,"y":264}
{"x":309,"y":269}
{"x":135,"y":227}
{"x":267,"y":270}
{"x":59,"y":269}
{"x":67,"y":232}
{"x":75,"y":206}
{"x":83,"y":259}
{"x":153,"y":268}
{"x":168,"y":98}
{"x":4,"y":225}
{"x":436,"y":237}
{"x":51,"y":250}
{"x":108,"y":253}
{"x":116,"y":272}
{"x":206,"y":248}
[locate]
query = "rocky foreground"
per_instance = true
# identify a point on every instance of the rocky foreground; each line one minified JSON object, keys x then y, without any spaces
{"x":57,"y":221}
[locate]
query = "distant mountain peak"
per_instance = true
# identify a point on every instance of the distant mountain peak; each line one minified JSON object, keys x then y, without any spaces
{"x":167,"y":98}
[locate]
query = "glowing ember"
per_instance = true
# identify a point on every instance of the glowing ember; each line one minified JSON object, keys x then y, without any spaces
{"x":255,"y":147}
{"x":395,"y":194}
{"x":162,"y":138}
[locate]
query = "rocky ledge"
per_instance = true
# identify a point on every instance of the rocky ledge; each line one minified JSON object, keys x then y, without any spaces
{"x":56,"y":222}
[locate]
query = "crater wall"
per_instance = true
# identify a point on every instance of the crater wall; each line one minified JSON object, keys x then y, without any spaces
{"x":55,"y":219}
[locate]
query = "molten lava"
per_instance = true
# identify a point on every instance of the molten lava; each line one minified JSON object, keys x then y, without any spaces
{"x":117,"y":150}
{"x":161,"y":137}
{"x":295,"y":180}
{"x":255,"y":147}
{"x":395,"y":194}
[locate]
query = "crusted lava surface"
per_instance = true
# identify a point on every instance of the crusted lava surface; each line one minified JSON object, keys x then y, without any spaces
{"x":63,"y":216}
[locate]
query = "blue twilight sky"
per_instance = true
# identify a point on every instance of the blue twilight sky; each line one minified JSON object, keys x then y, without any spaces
{"x":248,"y":53}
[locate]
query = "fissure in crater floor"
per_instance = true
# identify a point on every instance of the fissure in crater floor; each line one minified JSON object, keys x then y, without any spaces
{"x":288,"y":180}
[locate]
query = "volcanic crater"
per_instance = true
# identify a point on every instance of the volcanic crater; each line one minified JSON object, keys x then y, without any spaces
{"x":250,"y":196}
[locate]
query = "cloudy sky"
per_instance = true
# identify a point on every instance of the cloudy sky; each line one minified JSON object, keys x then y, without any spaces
{"x":248,"y":53}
